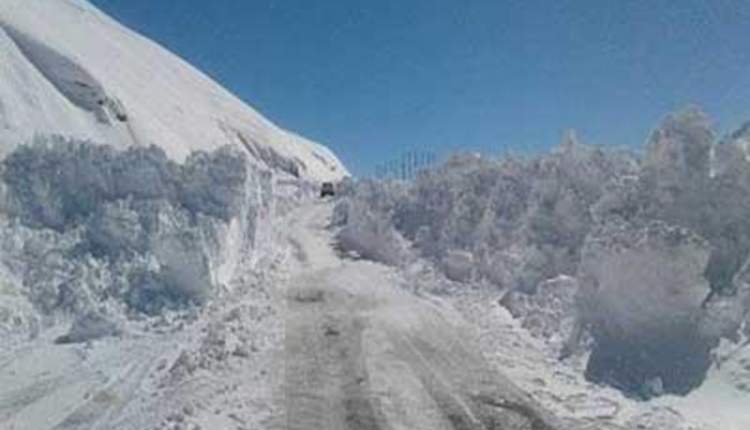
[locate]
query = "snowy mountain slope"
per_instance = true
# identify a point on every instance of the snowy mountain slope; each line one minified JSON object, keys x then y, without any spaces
{"x":69,"y":69}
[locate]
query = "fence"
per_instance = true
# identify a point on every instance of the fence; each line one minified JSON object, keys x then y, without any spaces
{"x":406,"y":167}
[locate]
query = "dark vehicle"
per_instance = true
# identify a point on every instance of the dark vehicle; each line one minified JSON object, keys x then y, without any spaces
{"x":327,"y":189}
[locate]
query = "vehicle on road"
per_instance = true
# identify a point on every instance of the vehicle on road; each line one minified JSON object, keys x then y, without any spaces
{"x":327,"y":189}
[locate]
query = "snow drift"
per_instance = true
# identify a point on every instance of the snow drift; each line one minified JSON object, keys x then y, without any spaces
{"x":649,"y":242}
{"x":90,"y":229}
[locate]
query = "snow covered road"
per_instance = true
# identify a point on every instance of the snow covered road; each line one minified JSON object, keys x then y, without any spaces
{"x":323,"y":341}
{"x":361,"y":353}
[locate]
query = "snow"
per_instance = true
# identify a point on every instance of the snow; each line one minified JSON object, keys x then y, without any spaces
{"x":641,"y":294}
{"x":136,"y":289}
{"x":119,"y":88}
{"x":254,"y":356}
{"x":178,"y":277}
{"x":88,"y":223}
{"x":361,"y":351}
{"x":619,"y":269}
{"x":561,"y":387}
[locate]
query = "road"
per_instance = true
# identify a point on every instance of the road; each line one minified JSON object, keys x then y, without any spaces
{"x":362,"y":353}
{"x":344,"y":347}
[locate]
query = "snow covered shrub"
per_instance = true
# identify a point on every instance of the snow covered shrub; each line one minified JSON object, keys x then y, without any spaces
{"x":455,"y":205}
{"x":212,"y":183}
{"x":58,"y":183}
{"x":87,"y":223}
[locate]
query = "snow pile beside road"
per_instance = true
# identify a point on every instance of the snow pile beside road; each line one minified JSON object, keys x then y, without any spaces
{"x":364,"y":230}
{"x":652,"y":243}
{"x":88,"y":230}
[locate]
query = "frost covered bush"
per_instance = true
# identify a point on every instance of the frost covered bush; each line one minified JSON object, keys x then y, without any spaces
{"x":520,"y":221}
{"x":86,"y":224}
{"x":725,"y":314}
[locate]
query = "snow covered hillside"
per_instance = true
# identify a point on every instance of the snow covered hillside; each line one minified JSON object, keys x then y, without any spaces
{"x":68,"y":69}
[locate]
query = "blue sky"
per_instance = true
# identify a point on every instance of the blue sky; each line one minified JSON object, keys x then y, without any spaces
{"x":374,"y":78}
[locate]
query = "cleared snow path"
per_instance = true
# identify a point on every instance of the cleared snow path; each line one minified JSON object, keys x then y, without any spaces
{"x":361,"y":353}
{"x":321,"y":342}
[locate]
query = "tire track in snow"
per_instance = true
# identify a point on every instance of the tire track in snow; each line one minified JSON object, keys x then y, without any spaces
{"x":358,"y":348}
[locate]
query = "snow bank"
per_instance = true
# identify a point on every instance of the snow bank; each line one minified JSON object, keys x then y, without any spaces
{"x":87,"y":227}
{"x":364,"y":230}
{"x":522,"y":221}
{"x":656,"y":241}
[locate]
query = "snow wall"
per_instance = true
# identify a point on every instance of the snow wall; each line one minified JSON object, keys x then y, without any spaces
{"x":88,"y":231}
{"x":654,"y":242}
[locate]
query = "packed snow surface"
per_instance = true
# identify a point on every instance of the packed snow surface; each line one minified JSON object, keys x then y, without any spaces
{"x":69,"y":69}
